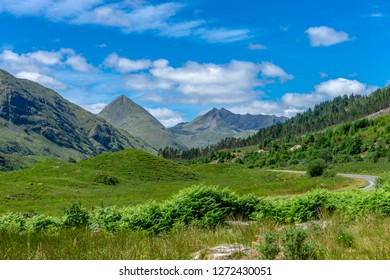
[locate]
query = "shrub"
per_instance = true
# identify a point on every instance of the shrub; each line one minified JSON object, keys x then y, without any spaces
{"x":105,"y":218}
{"x":75,"y":215}
{"x":41,"y":223}
{"x":316,"y":167}
{"x":204,"y":206}
{"x":295,"y":247}
{"x":12,"y":222}
{"x":270,"y":248}
{"x":104,"y":178}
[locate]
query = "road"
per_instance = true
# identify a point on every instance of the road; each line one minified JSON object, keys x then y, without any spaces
{"x":368,"y":178}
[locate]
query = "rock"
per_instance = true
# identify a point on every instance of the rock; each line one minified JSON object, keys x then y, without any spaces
{"x":223,"y":252}
{"x":237,"y":223}
{"x":317,"y":224}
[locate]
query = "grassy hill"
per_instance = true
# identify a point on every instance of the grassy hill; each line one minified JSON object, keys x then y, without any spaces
{"x":131,"y":177}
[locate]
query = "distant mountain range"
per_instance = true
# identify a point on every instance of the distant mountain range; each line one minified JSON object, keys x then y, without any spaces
{"x":129,"y":116}
{"x":218,"y":124}
{"x":37,"y":121}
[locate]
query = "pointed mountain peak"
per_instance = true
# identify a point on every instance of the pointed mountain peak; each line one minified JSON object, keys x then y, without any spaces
{"x":123,"y":99}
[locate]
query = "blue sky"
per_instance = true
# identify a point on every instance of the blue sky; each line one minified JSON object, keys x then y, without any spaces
{"x":179,"y":59}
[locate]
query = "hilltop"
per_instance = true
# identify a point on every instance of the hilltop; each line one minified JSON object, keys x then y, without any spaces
{"x":126,"y":114}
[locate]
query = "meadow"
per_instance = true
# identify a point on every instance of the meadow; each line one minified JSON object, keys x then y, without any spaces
{"x":356,"y":226}
{"x":133,"y":177}
{"x":132,"y":205}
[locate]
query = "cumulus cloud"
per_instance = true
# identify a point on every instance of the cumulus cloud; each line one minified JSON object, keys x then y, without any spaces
{"x":202,"y":83}
{"x":166,"y":116}
{"x":42,"y":61}
{"x":326,"y":91}
{"x":125,"y":65}
{"x":45,"y":80}
{"x":128,"y":16}
{"x":94,"y":108}
{"x":326,"y":36}
{"x":271,"y":70}
{"x":79,"y":63}
{"x":293,"y":103}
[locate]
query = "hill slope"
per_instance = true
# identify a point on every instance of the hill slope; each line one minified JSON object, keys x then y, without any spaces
{"x":37,"y":121}
{"x":129,"y":116}
{"x":218,"y":124}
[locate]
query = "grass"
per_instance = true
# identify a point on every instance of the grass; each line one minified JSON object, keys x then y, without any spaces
{"x":370,"y":241}
{"x":49,"y":186}
{"x":380,"y":168}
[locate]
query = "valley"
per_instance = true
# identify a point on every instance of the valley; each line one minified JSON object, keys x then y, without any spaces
{"x":106,"y":180}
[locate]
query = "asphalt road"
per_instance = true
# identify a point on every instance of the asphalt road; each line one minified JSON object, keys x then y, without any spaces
{"x":368,"y":178}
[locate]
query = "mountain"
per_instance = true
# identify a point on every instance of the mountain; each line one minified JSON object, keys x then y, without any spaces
{"x":37,"y":121}
{"x":129,"y":116}
{"x":218,"y":124}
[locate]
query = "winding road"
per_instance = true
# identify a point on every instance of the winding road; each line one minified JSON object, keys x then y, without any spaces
{"x":370,"y":179}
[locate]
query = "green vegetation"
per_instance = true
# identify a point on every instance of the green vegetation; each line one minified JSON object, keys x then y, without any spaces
{"x":37,"y":121}
{"x":324,"y":115}
{"x":316,"y":167}
{"x":362,"y":146}
{"x":132,"y":177}
{"x":194,"y":219}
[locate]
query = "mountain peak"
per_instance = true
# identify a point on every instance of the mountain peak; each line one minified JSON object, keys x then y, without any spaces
{"x":124,"y":113}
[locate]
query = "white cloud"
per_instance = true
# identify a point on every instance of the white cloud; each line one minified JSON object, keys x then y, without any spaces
{"x":94,"y":108}
{"x":45,"y":80}
{"x":126,"y":15}
{"x":327,"y":91}
{"x":166,"y":116}
{"x":125,"y":65}
{"x":271,"y":70}
{"x":258,"y":107}
{"x":79,"y":63}
{"x":293,"y":103}
{"x":211,"y":83}
{"x":377,"y":15}
{"x":326,"y":36}
{"x":222,"y":35}
{"x":42,"y":61}
{"x":252,"y":46}
{"x":205,"y":83}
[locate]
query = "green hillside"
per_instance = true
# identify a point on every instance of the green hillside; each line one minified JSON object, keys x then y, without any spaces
{"x":37,"y":121}
{"x":326,"y":114}
{"x":131,"y":177}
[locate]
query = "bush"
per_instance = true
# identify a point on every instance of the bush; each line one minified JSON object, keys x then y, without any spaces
{"x":270,"y":248}
{"x":295,"y":247}
{"x":41,"y":223}
{"x":12,"y":222}
{"x":75,"y":215}
{"x":105,"y":218}
{"x":104,"y":178}
{"x":316,"y":167}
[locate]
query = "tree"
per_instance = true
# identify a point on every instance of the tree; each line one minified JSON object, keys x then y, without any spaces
{"x":316,"y":167}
